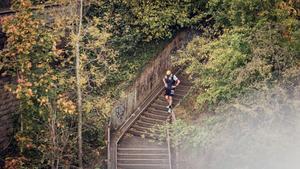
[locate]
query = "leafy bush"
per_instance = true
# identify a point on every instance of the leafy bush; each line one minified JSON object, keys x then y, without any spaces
{"x":239,"y":59}
{"x":253,"y":131}
{"x":248,"y":74}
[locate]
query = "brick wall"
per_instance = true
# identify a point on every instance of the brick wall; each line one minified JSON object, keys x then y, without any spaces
{"x":4,"y":4}
{"x":2,"y":39}
{"x":8,"y":105}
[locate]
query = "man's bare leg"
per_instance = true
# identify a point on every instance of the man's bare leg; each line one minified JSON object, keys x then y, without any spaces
{"x":167,"y":98}
{"x":170,"y":101}
{"x":170,"y":104}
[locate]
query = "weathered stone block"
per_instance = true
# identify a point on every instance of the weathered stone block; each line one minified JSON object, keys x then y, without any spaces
{"x":8,"y":104}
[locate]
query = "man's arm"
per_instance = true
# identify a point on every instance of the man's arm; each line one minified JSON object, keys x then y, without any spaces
{"x":164,"y":80}
{"x":177,"y":82}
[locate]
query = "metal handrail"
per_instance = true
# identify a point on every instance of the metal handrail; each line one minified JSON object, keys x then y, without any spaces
{"x":141,"y":108}
{"x":171,"y":119}
{"x":136,"y":114}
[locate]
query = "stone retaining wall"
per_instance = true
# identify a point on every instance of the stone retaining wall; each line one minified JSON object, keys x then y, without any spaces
{"x":8,"y":105}
{"x":148,"y":80}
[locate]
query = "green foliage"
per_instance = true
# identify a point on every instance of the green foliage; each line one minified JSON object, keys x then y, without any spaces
{"x":245,"y":43}
{"x":136,"y":21}
{"x":29,"y":56}
{"x":131,"y":64}
{"x":247,"y":74}
{"x":44,"y":68}
{"x":156,"y":18}
{"x":252,"y":130}
{"x":191,"y":136}
{"x":140,"y":29}
{"x":133,"y":47}
{"x":230,"y":13}
{"x":276,"y":104}
{"x":255,"y":50}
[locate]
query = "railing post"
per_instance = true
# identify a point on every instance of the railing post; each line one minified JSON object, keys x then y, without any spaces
{"x":173,"y":116}
{"x":108,"y":146}
{"x":169,"y":148}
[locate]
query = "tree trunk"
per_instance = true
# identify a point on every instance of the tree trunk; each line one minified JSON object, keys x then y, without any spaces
{"x":78,"y":84}
{"x":53,"y":137}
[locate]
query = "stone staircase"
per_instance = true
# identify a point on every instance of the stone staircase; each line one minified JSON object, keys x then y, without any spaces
{"x":140,"y":147}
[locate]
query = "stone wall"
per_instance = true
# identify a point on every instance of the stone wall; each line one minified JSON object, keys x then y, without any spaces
{"x":8,"y":102}
{"x":148,"y":80}
{"x":2,"y":39}
{"x":8,"y":105}
{"x":4,"y":4}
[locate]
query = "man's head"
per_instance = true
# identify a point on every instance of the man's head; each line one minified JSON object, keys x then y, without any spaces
{"x":168,"y":72}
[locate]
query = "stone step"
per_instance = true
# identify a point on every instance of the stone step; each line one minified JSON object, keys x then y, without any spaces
{"x":176,"y":95}
{"x":143,"y":134}
{"x":133,"y":142}
{"x":151,"y":120}
{"x":159,"y":111}
{"x":143,"y":156}
{"x":181,"y":89}
{"x":156,"y":114}
{"x":143,"y":150}
{"x":143,"y":161}
{"x":145,"y":124}
{"x":186,"y":83}
{"x":161,"y":106}
{"x":142,"y":129}
{"x":162,"y":113}
{"x":160,"y":102}
{"x":146,"y":129}
{"x":143,"y":166}
{"x":176,"y":98}
{"x":180,"y":93}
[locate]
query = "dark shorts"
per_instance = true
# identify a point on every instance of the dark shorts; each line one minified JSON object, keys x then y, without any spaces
{"x":169,"y":92}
